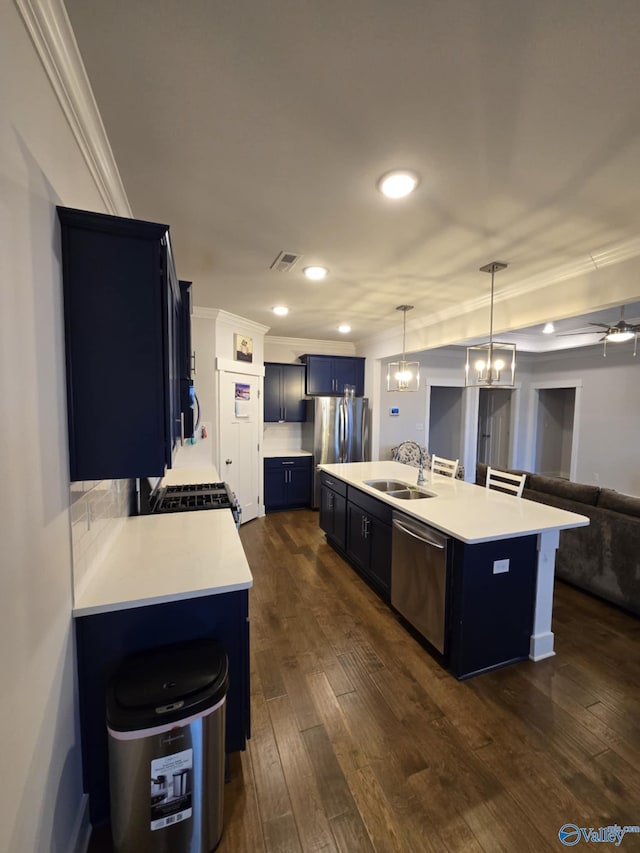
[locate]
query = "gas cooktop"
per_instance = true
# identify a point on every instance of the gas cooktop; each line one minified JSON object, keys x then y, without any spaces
{"x":193,"y":496}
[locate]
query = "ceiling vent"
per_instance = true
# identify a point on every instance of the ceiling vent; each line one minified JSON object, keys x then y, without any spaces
{"x":285,"y":261}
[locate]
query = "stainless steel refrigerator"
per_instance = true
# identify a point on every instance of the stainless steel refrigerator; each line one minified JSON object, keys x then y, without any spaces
{"x":336,"y":430}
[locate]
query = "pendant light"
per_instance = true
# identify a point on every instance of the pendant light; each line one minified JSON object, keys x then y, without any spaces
{"x":403,"y":375}
{"x":491,"y":365}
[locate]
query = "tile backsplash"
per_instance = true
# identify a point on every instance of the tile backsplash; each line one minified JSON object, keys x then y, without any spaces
{"x":98,"y":508}
{"x":280,"y":438}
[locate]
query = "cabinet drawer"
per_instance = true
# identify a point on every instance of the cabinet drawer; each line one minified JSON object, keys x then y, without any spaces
{"x":276,"y":463}
{"x":372,"y":506}
{"x":332,"y":483}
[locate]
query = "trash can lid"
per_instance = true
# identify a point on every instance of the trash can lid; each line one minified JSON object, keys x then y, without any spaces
{"x":166,"y":684}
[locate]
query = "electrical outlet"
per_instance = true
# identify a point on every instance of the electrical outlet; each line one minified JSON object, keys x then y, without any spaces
{"x":419,"y":427}
{"x":596,"y":477}
{"x":500,"y":566}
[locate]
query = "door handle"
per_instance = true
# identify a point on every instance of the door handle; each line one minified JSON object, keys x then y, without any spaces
{"x":228,"y":461}
{"x":424,"y":538}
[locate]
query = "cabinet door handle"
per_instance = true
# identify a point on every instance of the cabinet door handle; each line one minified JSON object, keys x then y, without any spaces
{"x":365,"y":525}
{"x":287,"y":463}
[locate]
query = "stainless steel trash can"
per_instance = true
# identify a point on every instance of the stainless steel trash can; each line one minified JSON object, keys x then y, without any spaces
{"x":166,"y":728}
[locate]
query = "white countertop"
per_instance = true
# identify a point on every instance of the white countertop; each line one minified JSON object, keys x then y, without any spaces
{"x":463,"y":510}
{"x":167,"y":557}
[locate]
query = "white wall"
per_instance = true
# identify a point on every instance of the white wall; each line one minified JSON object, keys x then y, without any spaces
{"x":40,"y":166}
{"x":607,"y":420}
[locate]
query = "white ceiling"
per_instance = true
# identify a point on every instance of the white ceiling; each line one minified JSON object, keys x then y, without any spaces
{"x":256,"y":127}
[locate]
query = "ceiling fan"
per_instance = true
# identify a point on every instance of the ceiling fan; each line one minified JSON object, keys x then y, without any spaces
{"x":617,"y":333}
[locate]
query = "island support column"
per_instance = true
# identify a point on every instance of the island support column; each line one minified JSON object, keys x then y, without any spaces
{"x":542,"y":637}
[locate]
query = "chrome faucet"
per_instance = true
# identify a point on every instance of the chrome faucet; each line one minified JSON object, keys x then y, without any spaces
{"x":421,"y":468}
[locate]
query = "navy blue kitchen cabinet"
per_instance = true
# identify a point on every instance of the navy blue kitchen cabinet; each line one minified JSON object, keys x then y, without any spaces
{"x":284,"y":393}
{"x":287,"y":482}
{"x":328,"y":375}
{"x":491,"y":614}
{"x":333,"y":510}
{"x":368,"y":546}
{"x":103,"y":640}
{"x":187,"y":398}
{"x":122,"y":318}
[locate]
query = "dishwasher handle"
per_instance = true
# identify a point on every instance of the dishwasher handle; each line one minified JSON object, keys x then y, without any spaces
{"x":421,"y":538}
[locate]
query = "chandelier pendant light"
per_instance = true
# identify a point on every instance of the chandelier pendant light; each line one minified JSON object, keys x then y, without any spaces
{"x":491,"y":365}
{"x":403,"y":375}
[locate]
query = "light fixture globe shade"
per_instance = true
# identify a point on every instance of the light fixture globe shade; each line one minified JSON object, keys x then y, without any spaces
{"x":344,"y":328}
{"x":398,"y":184}
{"x":619,"y":336}
{"x":281,"y":310}
{"x":315,"y":273}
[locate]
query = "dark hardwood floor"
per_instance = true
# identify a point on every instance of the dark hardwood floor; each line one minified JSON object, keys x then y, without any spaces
{"x":361,"y":742}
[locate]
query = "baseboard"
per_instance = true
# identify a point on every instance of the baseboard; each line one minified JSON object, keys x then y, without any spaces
{"x":81,"y":833}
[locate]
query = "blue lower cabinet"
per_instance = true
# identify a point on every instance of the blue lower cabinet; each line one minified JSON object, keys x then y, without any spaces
{"x":491,"y":613}
{"x":287,"y":482}
{"x":103,"y":640}
{"x":368,"y":544}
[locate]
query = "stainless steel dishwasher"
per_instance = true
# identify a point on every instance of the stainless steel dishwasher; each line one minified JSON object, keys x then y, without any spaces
{"x":419,"y":577}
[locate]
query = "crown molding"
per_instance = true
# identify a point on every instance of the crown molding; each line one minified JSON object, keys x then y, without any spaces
{"x":205,"y":313}
{"x":50,"y":30}
{"x":229,"y":319}
{"x":309,"y":345}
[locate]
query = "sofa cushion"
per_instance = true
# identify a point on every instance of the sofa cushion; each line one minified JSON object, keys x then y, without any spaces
{"x":610,"y":499}
{"x":579,"y":492}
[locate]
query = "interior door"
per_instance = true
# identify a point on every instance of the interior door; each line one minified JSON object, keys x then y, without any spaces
{"x":494,"y":426}
{"x":239,"y":459}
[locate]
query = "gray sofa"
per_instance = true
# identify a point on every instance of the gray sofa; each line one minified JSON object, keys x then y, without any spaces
{"x":603,"y":558}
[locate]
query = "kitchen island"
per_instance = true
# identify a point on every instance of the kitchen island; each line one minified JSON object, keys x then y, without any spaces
{"x":495,"y":537}
{"x":166,"y":579}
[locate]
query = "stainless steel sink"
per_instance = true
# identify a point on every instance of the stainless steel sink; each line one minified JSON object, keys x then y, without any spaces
{"x":386,"y":485}
{"x":410,"y":494}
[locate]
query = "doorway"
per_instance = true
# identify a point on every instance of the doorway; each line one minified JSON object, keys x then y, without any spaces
{"x":494,"y":427}
{"x":554,"y":431}
{"x":445,"y":421}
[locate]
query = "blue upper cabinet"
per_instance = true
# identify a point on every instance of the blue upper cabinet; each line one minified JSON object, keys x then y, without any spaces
{"x":329,"y":375}
{"x":284,"y":393}
{"x":122,"y":318}
{"x":187,"y":394}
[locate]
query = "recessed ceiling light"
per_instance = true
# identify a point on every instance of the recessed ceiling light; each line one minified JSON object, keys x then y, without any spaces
{"x":549,"y":329}
{"x":315,"y":273}
{"x":281,"y":310}
{"x":344,"y":328}
{"x":398,"y":184}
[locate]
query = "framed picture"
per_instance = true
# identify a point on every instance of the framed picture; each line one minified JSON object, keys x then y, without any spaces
{"x":243,"y":347}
